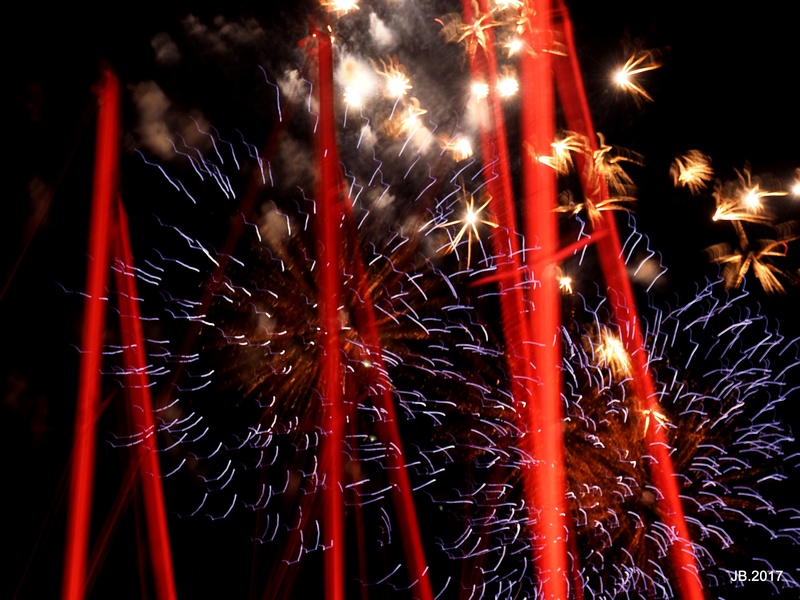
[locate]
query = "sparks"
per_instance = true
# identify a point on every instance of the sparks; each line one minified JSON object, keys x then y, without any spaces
{"x":514,"y":47}
{"x":397,"y":83}
{"x":469,"y":225}
{"x":563,"y":148}
{"x":608,"y":164}
{"x":660,"y":419}
{"x":613,"y":355}
{"x":754,"y":255}
{"x":507,"y":86}
{"x":565,"y":284}
{"x":742,"y":200}
{"x":460,"y":147}
{"x":692,"y":170}
{"x":635,"y":65}
{"x":341,"y":7}
{"x":474,"y":34}
{"x":480,"y":89}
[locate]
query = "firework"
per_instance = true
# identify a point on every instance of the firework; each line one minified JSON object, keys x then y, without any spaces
{"x":261,"y":341}
{"x":742,"y":203}
{"x":469,"y":225}
{"x":625,"y":77}
{"x":725,"y":430}
{"x":754,"y":255}
{"x":343,"y":374}
{"x":692,"y":170}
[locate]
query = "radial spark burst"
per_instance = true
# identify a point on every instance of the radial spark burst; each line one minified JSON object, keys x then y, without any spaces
{"x":743,"y":199}
{"x":469,"y":221}
{"x":625,"y":76}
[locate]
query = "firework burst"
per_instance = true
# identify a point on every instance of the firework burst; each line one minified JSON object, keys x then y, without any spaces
{"x":436,"y":383}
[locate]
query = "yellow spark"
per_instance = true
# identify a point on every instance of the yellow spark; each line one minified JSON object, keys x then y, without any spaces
{"x":341,"y":7}
{"x":565,"y":284}
{"x":406,"y":120}
{"x":469,"y":224}
{"x":507,"y":86}
{"x":692,"y":170}
{"x":754,"y":255}
{"x":480,"y":89}
{"x":460,"y":147}
{"x":397,"y":83}
{"x":474,"y":34}
{"x":612,"y":354}
{"x":561,"y":159}
{"x":660,"y":418}
{"x":796,"y":186}
{"x":352,"y":97}
{"x":636,"y":64}
{"x":752,"y":199}
{"x":413,"y":113}
{"x":741,"y":200}
{"x":592,"y":208}
{"x":514,"y":46}
{"x":607,"y":163}
{"x":737,"y":209}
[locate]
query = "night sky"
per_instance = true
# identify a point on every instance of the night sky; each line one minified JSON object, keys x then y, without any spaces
{"x":724,"y":89}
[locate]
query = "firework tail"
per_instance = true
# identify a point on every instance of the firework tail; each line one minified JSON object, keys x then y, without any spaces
{"x":387,"y":428}
{"x":330,"y":213}
{"x":103,"y":222}
{"x":505,"y":244}
{"x":329,"y":217}
{"x":87,"y":411}
{"x":140,"y":408}
{"x":544,"y":484}
{"x":576,"y":110}
{"x":539,"y":196}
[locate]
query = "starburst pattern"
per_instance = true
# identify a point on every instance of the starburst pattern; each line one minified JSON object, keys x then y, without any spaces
{"x":637,"y":64}
{"x":469,"y":222}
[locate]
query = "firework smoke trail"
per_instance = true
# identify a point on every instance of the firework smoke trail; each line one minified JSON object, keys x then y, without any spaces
{"x":244,"y":420}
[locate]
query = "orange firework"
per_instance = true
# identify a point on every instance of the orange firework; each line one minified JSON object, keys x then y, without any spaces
{"x":635,"y":65}
{"x":692,"y":170}
{"x":754,"y":255}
